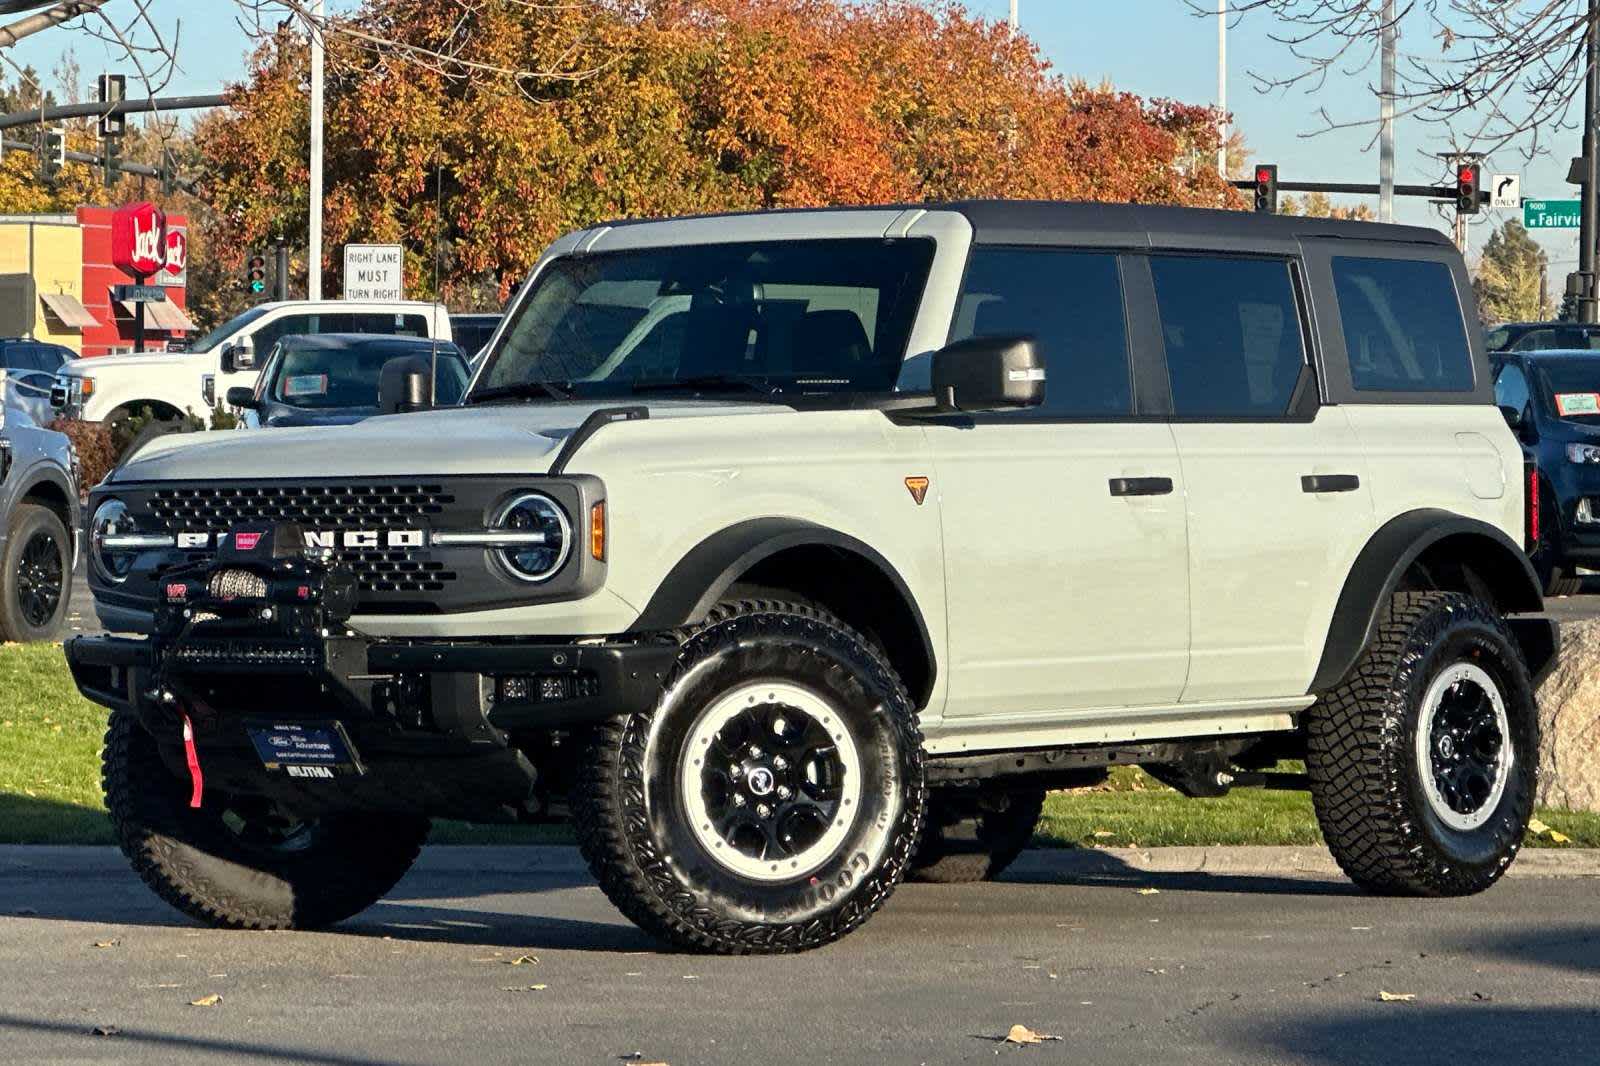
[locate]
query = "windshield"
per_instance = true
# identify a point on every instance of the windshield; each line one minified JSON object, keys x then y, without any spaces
{"x":774,"y":317}
{"x":227,"y":329}
{"x":321,"y":377}
{"x":1572,"y":390}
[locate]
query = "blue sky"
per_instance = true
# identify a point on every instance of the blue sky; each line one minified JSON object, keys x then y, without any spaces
{"x":1151,"y":47}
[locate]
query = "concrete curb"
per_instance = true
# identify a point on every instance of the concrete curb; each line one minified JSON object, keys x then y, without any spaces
{"x":61,"y":861}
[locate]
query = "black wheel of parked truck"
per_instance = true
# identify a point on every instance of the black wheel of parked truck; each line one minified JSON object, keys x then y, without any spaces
{"x":973,"y":834}
{"x":242,"y":862}
{"x":35,"y":574}
{"x":771,"y":800}
{"x":1423,"y":761}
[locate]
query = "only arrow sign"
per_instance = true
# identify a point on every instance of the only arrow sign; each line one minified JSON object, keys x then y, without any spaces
{"x":1507,"y":191}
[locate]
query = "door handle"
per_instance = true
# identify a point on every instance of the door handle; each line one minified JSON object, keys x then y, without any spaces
{"x":1141,"y":486}
{"x":1329,"y":483}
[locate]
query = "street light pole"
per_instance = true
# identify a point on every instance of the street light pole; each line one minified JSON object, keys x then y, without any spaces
{"x":314,"y":255}
{"x":1013,"y":20}
{"x":1222,"y":88}
{"x":1386,"y":117}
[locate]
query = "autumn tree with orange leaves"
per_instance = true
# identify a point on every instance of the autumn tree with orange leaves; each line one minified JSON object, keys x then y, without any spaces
{"x":666,"y":107}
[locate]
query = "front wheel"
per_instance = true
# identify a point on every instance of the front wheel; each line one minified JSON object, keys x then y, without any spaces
{"x":241,"y":862}
{"x":771,"y":800}
{"x":1423,"y":762}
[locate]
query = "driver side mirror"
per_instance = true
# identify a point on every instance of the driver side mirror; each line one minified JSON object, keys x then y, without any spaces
{"x":1513,"y":416}
{"x":241,"y":396}
{"x":405,"y":384}
{"x":238,"y":356}
{"x":988,"y":374}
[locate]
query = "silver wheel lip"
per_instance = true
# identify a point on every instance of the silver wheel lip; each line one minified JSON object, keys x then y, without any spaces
{"x":1423,"y":746}
{"x":690,"y":782}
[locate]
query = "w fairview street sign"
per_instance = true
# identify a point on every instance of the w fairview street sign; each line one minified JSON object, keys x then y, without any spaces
{"x":1550,"y":214}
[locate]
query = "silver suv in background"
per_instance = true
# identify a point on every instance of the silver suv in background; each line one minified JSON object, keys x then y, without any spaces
{"x":38,"y":522}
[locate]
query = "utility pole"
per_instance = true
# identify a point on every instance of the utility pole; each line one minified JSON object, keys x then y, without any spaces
{"x":1222,"y":88}
{"x":1589,"y":172}
{"x":1386,"y":116}
{"x":1013,"y":21}
{"x":314,"y":264}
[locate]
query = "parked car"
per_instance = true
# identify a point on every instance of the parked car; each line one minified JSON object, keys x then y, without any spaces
{"x":332,"y":379}
{"x":1552,"y":402}
{"x":31,"y":367}
{"x":472,"y":331}
{"x":39,"y":522}
{"x":1542,"y":336}
{"x":890,"y":521}
{"x":108,"y":388}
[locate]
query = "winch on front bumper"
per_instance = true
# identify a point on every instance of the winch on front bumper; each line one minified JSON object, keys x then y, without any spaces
{"x":253,"y":645}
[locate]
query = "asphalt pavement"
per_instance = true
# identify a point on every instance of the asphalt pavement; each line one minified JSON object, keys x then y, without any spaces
{"x":1220,"y":967}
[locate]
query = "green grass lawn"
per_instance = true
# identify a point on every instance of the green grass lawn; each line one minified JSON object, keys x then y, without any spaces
{"x":50,"y":787}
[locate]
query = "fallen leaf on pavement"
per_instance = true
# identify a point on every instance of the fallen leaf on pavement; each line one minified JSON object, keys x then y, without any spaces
{"x":524,"y":988}
{"x":1021,"y":1034}
{"x":106,"y":1030}
{"x":524,"y":960}
{"x":107,"y":943}
{"x":1559,"y":838}
{"x":1537,"y":828}
{"x":1149,"y":891}
{"x":1395,"y":997}
{"x":206,"y":1001}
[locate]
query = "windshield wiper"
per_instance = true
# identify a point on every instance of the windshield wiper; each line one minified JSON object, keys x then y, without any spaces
{"x":707,"y":383}
{"x":520,"y":391}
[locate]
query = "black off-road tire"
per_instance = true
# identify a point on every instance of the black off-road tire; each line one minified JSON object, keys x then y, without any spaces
{"x":36,"y":539}
{"x":632,"y":824}
{"x":194,"y":861}
{"x":973,"y":835}
{"x":1366,"y":781}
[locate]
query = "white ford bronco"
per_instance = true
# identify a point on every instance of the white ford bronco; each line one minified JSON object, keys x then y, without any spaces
{"x":792,"y":554}
{"x":109,"y":388}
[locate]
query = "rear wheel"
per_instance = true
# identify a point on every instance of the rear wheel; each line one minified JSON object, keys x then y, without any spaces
{"x":241,"y":862}
{"x":771,"y":800}
{"x":35,"y":574}
{"x":1422,"y":763}
{"x":974,"y":834}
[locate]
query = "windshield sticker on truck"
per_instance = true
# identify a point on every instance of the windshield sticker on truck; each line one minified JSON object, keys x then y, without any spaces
{"x":306,"y":385}
{"x":1578,"y":403}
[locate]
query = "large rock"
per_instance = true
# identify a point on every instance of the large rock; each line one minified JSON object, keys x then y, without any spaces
{"x":1569,"y":722}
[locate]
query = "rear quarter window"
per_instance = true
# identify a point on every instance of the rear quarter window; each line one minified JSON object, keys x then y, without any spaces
{"x":1403,"y":330}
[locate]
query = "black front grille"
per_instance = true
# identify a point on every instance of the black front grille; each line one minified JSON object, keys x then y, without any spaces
{"x":324,"y":507}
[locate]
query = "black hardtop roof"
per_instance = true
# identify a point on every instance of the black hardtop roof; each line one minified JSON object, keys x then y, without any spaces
{"x":1128,"y":225}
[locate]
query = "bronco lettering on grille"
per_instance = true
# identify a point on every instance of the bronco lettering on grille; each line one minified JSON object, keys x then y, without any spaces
{"x":325,"y":538}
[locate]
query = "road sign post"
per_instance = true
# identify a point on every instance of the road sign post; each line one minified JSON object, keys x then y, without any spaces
{"x":1552,"y":214}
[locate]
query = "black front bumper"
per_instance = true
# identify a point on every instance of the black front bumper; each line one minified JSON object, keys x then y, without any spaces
{"x":441,"y":729}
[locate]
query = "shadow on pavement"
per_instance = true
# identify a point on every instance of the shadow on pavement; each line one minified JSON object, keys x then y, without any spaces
{"x":1420,"y":1035}
{"x":1575,"y":949}
{"x":176,"y":1044}
{"x":1090,"y":868}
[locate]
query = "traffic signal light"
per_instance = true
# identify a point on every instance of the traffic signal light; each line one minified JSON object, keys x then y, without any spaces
{"x":1469,"y":179}
{"x":112,"y":89}
{"x":52,"y":152}
{"x":256,"y":274}
{"x":1267,"y":187}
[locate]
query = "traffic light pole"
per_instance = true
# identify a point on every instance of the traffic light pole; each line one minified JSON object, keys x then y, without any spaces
{"x":1432,"y":192}
{"x":1589,"y":211}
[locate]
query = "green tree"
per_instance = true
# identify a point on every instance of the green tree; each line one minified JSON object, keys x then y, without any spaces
{"x":1510,"y":281}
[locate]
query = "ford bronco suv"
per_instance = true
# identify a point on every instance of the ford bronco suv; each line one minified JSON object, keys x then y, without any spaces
{"x":795,"y":553}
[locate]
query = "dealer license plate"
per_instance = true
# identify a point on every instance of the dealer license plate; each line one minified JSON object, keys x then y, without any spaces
{"x":310,"y":752}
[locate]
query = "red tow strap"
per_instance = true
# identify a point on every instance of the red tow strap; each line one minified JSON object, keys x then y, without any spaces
{"x":193,"y":758}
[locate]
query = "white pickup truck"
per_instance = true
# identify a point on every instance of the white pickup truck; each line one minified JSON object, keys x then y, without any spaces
{"x":110,"y":387}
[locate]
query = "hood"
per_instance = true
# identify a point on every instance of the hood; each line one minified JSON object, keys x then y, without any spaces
{"x":119,"y":363}
{"x":486,"y":439}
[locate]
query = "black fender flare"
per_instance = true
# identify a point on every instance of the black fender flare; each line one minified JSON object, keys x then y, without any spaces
{"x":703,"y":576}
{"x":1382,"y":564}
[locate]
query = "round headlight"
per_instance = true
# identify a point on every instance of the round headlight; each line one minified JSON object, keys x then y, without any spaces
{"x":111,"y":519}
{"x":541,"y":557}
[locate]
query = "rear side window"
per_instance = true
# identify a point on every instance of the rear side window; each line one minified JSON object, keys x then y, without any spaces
{"x":1402,"y":325}
{"x":1070,"y":303}
{"x":1232,"y":332}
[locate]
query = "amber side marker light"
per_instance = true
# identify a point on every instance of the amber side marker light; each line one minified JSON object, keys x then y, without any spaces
{"x":597,"y":531}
